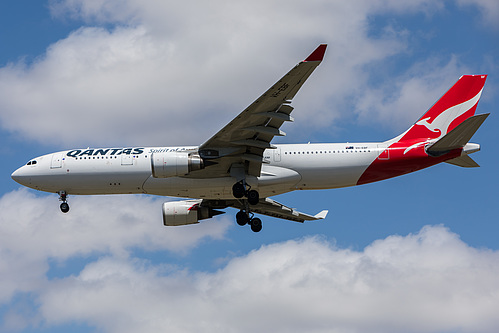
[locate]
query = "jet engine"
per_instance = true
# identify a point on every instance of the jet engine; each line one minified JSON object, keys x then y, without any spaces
{"x":186,"y":212}
{"x":175,"y":163}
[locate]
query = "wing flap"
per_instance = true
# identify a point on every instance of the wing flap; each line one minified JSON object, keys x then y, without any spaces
{"x":273,"y":208}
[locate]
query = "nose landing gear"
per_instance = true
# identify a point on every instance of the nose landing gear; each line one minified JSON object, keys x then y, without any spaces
{"x":64,"y":205}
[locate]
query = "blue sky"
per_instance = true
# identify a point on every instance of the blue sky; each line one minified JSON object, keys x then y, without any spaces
{"x":415,"y":253}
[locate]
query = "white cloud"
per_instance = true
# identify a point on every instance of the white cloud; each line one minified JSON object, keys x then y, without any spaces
{"x":163,"y":68}
{"x":33,"y":231}
{"x":488,"y":8}
{"x":425,"y":282}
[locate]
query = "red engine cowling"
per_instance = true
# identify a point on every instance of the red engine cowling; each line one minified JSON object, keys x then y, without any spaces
{"x":175,"y":164}
{"x":186,"y":212}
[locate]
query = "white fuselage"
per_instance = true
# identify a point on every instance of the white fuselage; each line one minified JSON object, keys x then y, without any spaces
{"x":289,"y":167}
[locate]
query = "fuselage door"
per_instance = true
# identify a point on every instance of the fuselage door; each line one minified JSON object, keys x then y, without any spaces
{"x":277,"y":155}
{"x":126,"y":159}
{"x":384,"y":152}
{"x":56,"y":161}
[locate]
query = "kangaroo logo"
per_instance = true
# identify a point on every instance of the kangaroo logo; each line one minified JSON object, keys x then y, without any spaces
{"x":428,"y":125}
{"x":442,"y":122}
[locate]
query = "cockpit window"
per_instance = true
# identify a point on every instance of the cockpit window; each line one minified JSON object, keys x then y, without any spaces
{"x":31,"y":163}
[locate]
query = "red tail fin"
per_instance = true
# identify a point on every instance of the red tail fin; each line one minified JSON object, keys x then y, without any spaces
{"x":455,"y":106}
{"x":407,"y":152}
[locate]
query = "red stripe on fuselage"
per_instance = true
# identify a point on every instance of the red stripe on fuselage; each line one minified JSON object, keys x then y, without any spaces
{"x":399,"y":163}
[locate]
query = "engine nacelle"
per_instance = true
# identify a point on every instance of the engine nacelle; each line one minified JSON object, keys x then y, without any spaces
{"x":175,"y":163}
{"x":186,"y":212}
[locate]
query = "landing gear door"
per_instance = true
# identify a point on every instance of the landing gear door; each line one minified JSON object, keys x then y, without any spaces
{"x":56,"y":161}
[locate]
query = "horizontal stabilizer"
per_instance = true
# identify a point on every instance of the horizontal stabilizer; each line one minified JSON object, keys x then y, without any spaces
{"x":458,"y":137}
{"x":463,"y":161}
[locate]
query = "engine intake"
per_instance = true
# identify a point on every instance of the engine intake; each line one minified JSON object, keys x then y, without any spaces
{"x":186,"y":212}
{"x":175,"y":164}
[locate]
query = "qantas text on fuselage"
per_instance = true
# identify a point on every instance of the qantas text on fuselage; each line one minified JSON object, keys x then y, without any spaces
{"x":239,"y":167}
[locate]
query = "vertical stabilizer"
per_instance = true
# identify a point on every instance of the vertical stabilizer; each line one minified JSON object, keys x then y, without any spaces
{"x":454,"y":107}
{"x":440,"y":135}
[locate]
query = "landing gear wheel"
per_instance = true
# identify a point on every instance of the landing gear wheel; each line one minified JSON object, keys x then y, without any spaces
{"x":256,"y":224}
{"x":64,"y":207}
{"x":63,"y":196}
{"x":242,"y":218}
{"x":253,"y":197}
{"x":238,"y":190}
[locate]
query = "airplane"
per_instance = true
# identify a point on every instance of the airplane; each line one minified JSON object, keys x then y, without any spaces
{"x":239,"y":167}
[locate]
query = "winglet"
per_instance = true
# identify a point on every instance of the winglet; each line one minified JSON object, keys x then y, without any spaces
{"x":318,"y":54}
{"x":321,"y":215}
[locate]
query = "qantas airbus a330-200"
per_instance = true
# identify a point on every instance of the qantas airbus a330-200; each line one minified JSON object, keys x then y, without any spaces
{"x":239,"y":167}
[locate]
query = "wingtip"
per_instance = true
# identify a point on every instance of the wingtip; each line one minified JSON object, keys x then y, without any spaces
{"x":318,"y":53}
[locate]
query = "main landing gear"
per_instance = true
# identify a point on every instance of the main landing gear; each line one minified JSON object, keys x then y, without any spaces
{"x":241,"y":189}
{"x":64,"y":205}
{"x":243,"y":218}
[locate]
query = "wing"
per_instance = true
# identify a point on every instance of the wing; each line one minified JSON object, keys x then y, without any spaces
{"x":267,"y":207}
{"x":245,"y":138}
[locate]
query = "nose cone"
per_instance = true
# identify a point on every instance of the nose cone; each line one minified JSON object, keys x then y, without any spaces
{"x":20,"y":176}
